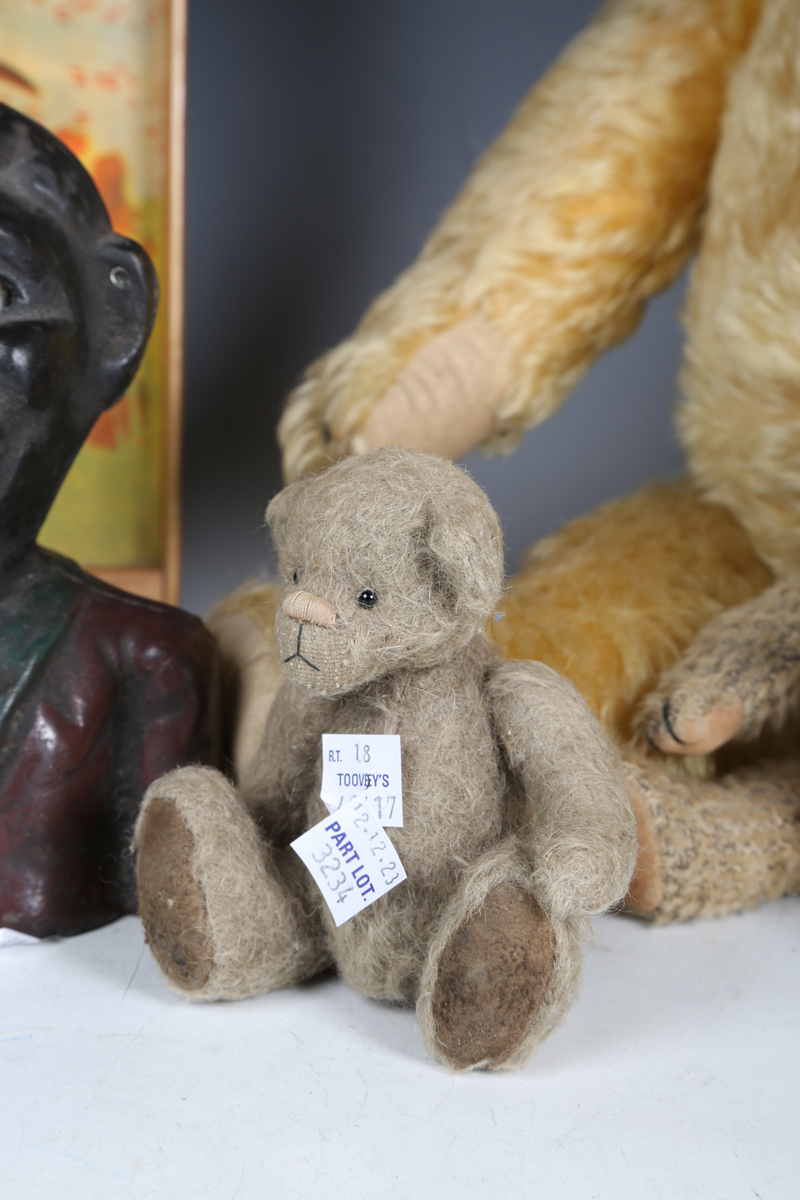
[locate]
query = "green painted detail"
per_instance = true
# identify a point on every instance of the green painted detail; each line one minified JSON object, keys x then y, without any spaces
{"x":33,"y":618}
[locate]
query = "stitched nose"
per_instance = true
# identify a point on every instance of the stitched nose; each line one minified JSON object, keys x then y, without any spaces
{"x":311,"y":609}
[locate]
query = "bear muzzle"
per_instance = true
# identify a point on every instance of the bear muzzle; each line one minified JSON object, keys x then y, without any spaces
{"x":309,"y":609}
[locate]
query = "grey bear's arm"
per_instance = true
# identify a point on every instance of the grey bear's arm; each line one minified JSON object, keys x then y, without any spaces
{"x":582,"y":830}
{"x":276,"y":782}
{"x":742,"y":670}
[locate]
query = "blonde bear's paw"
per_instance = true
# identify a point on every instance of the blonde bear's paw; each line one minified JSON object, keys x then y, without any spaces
{"x":742,"y":670}
{"x":677,"y":729}
{"x":436,"y":389}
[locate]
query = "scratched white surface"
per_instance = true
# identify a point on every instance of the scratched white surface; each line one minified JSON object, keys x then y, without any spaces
{"x":676,"y":1075}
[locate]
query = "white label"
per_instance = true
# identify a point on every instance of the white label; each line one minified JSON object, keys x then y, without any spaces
{"x":363,"y":767}
{"x":351,"y":858}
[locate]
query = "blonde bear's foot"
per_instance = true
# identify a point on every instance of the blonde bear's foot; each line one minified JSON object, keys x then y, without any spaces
{"x":171,"y":901}
{"x":711,"y":847}
{"x":492,"y":978}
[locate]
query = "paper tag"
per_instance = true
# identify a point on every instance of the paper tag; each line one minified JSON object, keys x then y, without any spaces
{"x":364,"y":767}
{"x":351,"y":858}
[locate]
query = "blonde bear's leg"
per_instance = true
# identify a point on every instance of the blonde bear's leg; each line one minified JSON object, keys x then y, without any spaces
{"x":613,"y":599}
{"x":225,"y":915}
{"x":709,"y":848}
{"x":499,"y":975}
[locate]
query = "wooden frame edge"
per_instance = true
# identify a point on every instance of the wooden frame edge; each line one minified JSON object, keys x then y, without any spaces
{"x":175,"y":291}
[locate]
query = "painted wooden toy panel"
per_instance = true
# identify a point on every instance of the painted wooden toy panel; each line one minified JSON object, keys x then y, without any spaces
{"x":96,"y":72}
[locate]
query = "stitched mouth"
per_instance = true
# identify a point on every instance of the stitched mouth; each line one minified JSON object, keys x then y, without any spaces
{"x":297,"y":653}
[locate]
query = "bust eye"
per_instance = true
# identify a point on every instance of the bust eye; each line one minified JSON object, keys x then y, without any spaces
{"x":367,"y":598}
{"x":297,"y":575}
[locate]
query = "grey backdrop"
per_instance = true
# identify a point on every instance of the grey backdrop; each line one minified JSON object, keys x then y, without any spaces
{"x":325,"y":137}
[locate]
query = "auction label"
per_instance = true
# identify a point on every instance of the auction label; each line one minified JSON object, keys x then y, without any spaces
{"x":351,"y":858}
{"x":364,"y":767}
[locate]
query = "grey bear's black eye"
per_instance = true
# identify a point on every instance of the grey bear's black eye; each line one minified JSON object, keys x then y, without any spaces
{"x":367,"y":598}
{"x":296,"y":576}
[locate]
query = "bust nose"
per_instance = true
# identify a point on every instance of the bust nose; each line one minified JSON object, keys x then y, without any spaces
{"x":309,"y":608}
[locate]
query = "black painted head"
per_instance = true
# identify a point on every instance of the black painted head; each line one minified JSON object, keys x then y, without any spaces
{"x":77,"y":303}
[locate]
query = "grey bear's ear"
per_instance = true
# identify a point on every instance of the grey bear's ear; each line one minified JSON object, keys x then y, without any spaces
{"x":429,"y":563}
{"x":279,"y":512}
{"x":460,"y":549}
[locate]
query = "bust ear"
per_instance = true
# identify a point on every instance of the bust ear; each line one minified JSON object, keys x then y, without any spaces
{"x":124,"y":296}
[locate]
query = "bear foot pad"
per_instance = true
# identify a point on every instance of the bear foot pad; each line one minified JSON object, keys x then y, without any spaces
{"x":493,"y":975}
{"x":171,"y":901}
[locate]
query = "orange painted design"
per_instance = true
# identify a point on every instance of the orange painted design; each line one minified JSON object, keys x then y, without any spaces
{"x":74,"y":140}
{"x":114,"y":423}
{"x":109,"y":173}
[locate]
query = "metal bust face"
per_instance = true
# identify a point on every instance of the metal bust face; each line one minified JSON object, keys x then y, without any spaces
{"x":99,"y":692}
{"x":77,"y":302}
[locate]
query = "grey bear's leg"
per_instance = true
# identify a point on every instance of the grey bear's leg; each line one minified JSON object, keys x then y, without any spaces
{"x":500,"y":975}
{"x":225,"y":915}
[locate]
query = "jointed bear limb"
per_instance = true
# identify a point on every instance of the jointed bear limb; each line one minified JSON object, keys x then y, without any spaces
{"x":577,"y":821}
{"x":589,"y":203}
{"x":742,"y":671}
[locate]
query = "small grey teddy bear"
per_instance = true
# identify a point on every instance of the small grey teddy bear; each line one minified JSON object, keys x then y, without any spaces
{"x":517,"y":827}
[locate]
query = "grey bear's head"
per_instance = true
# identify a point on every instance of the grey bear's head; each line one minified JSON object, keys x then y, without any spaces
{"x":390,"y":561}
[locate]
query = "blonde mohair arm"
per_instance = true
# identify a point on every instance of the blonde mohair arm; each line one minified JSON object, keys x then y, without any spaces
{"x":587,"y":204}
{"x":739,"y":423}
{"x":578,"y":819}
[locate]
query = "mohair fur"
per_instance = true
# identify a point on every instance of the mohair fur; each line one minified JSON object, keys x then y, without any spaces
{"x":256,"y":896}
{"x":507,"y":778}
{"x":745,"y":663}
{"x":615,"y":597}
{"x":500,"y":866}
{"x":589,"y":202}
{"x":713,"y":847}
{"x":250,"y":666}
{"x":666,"y":127}
{"x":741,"y":378}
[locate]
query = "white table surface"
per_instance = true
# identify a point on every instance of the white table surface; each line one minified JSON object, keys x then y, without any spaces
{"x":675,"y":1075}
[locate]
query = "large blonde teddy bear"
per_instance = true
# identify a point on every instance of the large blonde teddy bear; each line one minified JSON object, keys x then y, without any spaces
{"x":667,"y":128}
